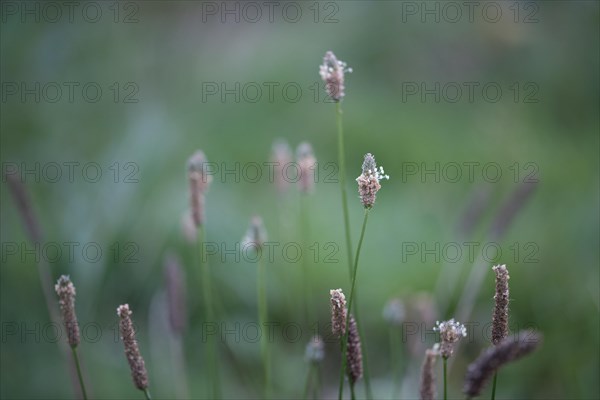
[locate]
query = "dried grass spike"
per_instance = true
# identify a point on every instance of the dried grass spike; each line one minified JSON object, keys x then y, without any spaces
{"x":500,"y":317}
{"x":338,"y":312}
{"x":132,"y":351}
{"x":427,"y":388}
{"x":354,"y":353}
{"x":66,"y":293}
{"x":483,"y":368}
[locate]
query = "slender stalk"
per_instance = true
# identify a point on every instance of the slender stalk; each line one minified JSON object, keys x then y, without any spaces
{"x":215,"y":390}
{"x":147,"y":394}
{"x":262,"y":316}
{"x":352,"y":396}
{"x":317,"y":385}
{"x":342,"y":177}
{"x":395,"y":347}
{"x":445,"y":383}
{"x":494,"y":385}
{"x":345,"y":338}
{"x":79,"y":375}
{"x":308,"y":380}
{"x":304,"y":233}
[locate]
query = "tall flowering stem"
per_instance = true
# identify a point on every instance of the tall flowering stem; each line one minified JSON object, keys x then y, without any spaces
{"x":332,"y":73}
{"x":199,"y":182}
{"x":345,"y":340}
{"x":450,"y":332}
{"x":256,"y":237}
{"x":66,"y":293}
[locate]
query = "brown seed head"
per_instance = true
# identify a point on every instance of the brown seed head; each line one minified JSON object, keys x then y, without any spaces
{"x":338,"y":312}
{"x":510,"y":349}
{"x":66,"y":294}
{"x":132,"y":351}
{"x":427,"y":388}
{"x":332,"y":72}
{"x":500,"y":317}
{"x":354,"y":366}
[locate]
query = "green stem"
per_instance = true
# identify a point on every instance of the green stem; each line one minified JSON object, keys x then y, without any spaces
{"x":147,"y":394}
{"x":210,"y":318}
{"x":494,"y":385}
{"x":345,"y":337}
{"x":308,"y":380}
{"x":317,"y":385}
{"x":395,"y":360}
{"x":304,"y":233}
{"x":352,"y":396}
{"x":79,"y":375}
{"x":445,"y":383}
{"x":342,"y":177}
{"x":262,"y":316}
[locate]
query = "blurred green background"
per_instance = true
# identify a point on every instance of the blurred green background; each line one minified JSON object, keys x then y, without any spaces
{"x":169,"y":53}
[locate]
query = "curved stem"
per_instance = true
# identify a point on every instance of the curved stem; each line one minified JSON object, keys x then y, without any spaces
{"x":494,"y":385}
{"x":445,"y":383}
{"x":345,"y":337}
{"x":210,"y":318}
{"x":147,"y":394}
{"x":79,"y":375}
{"x":262,"y":316}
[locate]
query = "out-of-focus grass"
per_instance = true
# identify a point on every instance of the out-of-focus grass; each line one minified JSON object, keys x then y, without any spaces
{"x":169,"y":54}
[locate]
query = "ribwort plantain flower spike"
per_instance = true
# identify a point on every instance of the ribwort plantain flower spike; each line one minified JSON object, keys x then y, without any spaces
{"x":338,"y":312}
{"x":508,"y":350}
{"x":450,"y":332}
{"x":500,"y":316}
{"x":368,"y":181}
{"x":427,"y":387}
{"x":66,"y":293}
{"x":332,"y":72}
{"x":132,"y":351}
{"x":354,"y":353}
